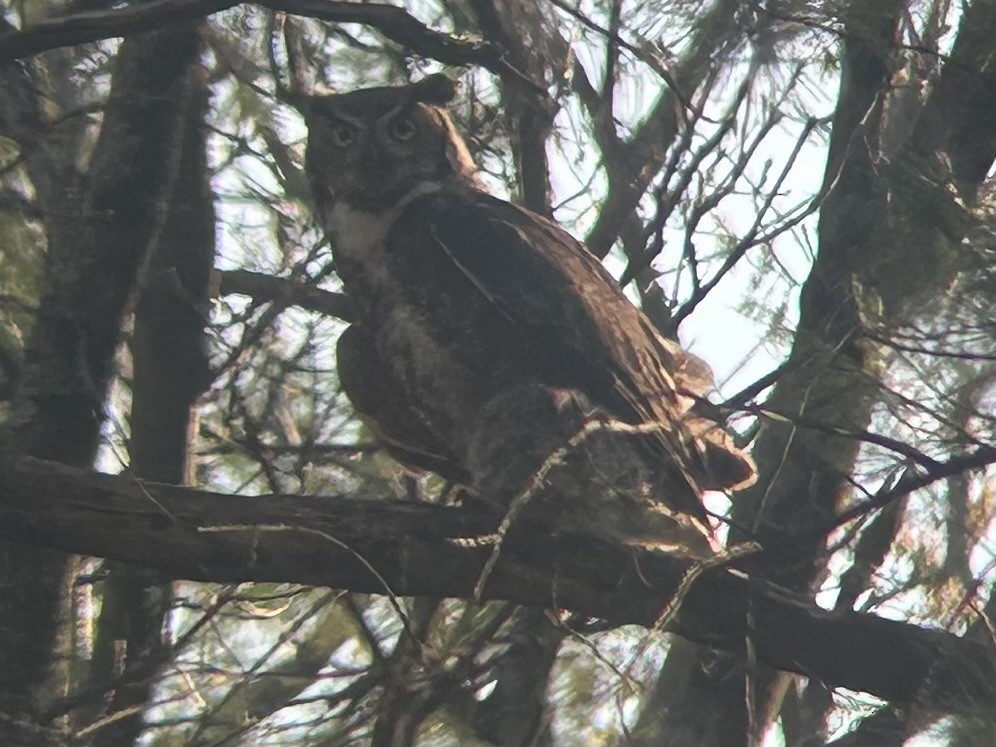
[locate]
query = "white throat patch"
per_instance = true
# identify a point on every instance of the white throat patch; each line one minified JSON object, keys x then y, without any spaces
{"x":359,"y":234}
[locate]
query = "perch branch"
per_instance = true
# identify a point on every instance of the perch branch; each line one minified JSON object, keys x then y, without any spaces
{"x":408,"y":549}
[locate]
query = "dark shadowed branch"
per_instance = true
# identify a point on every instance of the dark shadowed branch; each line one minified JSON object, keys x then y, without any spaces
{"x":408,"y":549}
{"x":393,"y":22}
{"x":285,"y":292}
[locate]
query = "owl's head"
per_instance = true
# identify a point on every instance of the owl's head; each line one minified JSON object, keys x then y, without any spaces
{"x":370,"y":147}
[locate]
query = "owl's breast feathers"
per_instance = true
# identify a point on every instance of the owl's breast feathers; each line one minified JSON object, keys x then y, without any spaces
{"x":474,"y":296}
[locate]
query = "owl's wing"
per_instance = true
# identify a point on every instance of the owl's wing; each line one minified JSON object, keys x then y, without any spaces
{"x":537,"y":294}
{"x":379,"y":400}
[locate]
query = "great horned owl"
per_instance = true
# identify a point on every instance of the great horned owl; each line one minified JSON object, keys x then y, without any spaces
{"x":478,"y":317}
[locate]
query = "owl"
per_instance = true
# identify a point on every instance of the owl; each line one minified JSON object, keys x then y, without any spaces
{"x":486,"y":334}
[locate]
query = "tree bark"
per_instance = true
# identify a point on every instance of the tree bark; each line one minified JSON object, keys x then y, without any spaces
{"x":410,"y":550}
{"x":169,"y":371}
{"x":97,"y":248}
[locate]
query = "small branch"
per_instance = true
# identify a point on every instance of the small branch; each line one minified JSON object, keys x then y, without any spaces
{"x":408,"y":549}
{"x":981,"y":457}
{"x":752,"y":238}
{"x":285,"y":292}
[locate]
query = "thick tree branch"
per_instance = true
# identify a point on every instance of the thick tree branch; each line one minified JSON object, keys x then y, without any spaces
{"x":393,"y":22}
{"x":958,"y":117}
{"x":407,"y":549}
{"x":91,"y":26}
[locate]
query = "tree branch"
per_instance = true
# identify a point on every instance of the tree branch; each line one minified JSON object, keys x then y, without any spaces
{"x":393,"y":22}
{"x":285,"y":291}
{"x":91,"y":26}
{"x":407,"y":549}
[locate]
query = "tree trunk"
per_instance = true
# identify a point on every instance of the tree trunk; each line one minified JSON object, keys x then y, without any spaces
{"x":98,"y":245}
{"x":169,"y":371}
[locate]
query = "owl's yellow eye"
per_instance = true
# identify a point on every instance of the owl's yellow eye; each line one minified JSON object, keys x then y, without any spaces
{"x":402,"y":129}
{"x":343,"y":134}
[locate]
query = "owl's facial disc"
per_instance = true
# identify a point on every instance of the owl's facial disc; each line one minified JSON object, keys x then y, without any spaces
{"x":370,"y":148}
{"x":402,"y":129}
{"x":399,"y":125}
{"x":343,"y":130}
{"x":343,"y":134}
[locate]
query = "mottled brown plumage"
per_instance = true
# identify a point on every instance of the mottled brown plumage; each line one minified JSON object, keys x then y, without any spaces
{"x":464,"y":298}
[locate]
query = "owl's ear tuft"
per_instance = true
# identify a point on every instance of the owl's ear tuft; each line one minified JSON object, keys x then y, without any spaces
{"x":438,"y":89}
{"x":298,"y":100}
